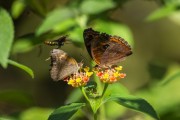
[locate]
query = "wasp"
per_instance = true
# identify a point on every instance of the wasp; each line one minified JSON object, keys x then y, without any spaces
{"x":59,"y":42}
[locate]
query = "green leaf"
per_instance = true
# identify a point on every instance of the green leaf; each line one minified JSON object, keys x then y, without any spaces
{"x":112,"y":110}
{"x":17,"y":8}
{"x":54,"y":18}
{"x":7,"y":118}
{"x":96,"y":6}
{"x":66,"y":112}
{"x":161,"y":13}
{"x":23,"y":67}
{"x":76,"y":36}
{"x":64,"y":25}
{"x":25,"y":43}
{"x":96,"y":101}
{"x":7,"y":35}
{"x":170,"y":78}
{"x":116,"y":88}
{"x":35,"y":113}
{"x":134,"y":103}
{"x":163,"y":95}
{"x":38,"y":6}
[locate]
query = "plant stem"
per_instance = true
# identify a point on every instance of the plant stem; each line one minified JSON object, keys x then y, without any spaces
{"x":102,"y":108}
{"x":95,"y":116}
{"x":84,"y":93}
{"x":105,"y":88}
{"x":102,"y":115}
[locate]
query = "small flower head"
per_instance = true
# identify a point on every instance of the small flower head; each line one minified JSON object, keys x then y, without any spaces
{"x":81,"y":78}
{"x":109,"y":75}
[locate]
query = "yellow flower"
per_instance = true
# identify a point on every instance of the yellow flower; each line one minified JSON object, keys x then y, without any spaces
{"x":105,"y":76}
{"x":81,"y":78}
{"x":118,"y":68}
{"x":109,"y":75}
{"x":71,"y":81}
{"x":86,"y":69}
{"x":116,"y":74}
{"x":89,"y":73}
{"x":78,"y":80}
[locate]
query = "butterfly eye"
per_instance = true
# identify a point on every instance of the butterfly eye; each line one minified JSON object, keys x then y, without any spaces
{"x":105,"y":46}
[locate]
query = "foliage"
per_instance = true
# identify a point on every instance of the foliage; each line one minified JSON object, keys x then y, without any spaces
{"x":7,"y":35}
{"x":65,"y":112}
{"x":71,"y":18}
{"x":169,"y":7}
{"x":132,"y":102}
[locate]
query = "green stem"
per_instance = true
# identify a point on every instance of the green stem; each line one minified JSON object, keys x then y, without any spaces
{"x":84,"y":93}
{"x":95,"y":116}
{"x":102,"y":108}
{"x":105,"y":88}
{"x":102,"y":115}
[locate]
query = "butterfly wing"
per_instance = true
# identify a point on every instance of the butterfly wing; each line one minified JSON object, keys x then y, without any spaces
{"x":89,"y":37}
{"x":106,"y":50}
{"x":99,"y":46}
{"x":116,"y":52}
{"x":55,"y":62}
{"x":62,"y":65}
{"x":55,"y":69}
{"x":68,"y":67}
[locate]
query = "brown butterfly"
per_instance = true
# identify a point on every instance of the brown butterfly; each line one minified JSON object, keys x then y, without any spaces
{"x":59,"y":42}
{"x":62,"y":65}
{"x":106,"y":50}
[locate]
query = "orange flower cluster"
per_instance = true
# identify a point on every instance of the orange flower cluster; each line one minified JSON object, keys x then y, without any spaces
{"x":109,"y":75}
{"x":80,"y":78}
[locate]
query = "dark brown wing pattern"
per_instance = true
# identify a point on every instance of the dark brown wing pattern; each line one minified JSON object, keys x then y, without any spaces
{"x":106,"y":50}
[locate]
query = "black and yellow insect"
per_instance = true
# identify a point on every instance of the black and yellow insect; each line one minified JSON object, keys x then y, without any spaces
{"x":59,"y":42}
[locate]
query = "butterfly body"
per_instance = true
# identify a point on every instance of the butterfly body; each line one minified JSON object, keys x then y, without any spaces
{"x":106,"y":50}
{"x":62,"y":65}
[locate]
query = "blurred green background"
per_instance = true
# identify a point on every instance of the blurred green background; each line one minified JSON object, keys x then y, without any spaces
{"x":151,"y":27}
